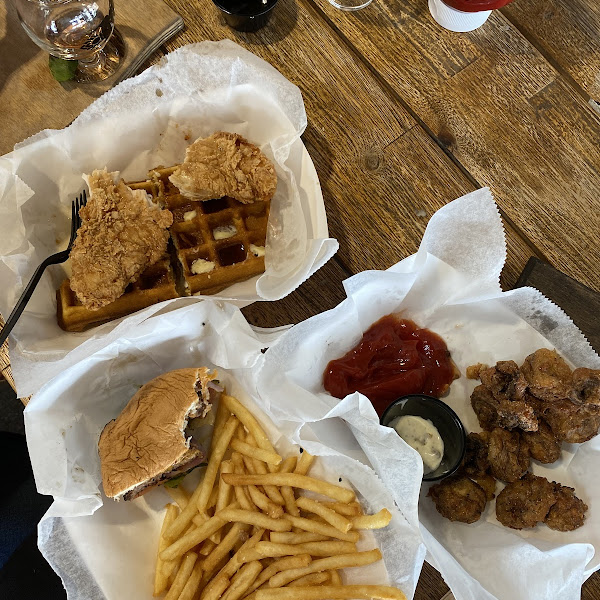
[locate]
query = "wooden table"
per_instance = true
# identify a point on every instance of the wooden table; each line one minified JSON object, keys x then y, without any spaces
{"x":404,"y":117}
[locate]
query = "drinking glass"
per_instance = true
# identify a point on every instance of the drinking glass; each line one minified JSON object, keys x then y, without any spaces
{"x":350,"y":5}
{"x":79,"y":30}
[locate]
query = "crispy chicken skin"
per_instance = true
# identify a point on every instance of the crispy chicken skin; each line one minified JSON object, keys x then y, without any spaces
{"x":526,"y":502}
{"x":120,"y":236}
{"x":225,"y":164}
{"x":459,"y":499}
{"x":508,"y":455}
{"x":568,"y":512}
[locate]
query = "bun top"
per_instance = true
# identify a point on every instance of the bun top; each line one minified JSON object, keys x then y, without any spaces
{"x":148,"y":438}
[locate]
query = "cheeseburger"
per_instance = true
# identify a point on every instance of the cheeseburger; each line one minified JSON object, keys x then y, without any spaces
{"x":158,"y":435}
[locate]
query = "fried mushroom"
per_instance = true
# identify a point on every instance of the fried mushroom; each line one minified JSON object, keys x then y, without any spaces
{"x":570,"y":423}
{"x":459,"y":499}
{"x":543,"y":445}
{"x":548,"y":376}
{"x":525,"y":503}
{"x":508,"y":455}
{"x":568,"y":512}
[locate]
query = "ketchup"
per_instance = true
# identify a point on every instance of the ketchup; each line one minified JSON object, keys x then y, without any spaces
{"x":394,"y":358}
{"x":476,"y":5}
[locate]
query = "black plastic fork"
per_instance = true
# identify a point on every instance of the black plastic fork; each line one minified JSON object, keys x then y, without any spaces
{"x":55,"y":259}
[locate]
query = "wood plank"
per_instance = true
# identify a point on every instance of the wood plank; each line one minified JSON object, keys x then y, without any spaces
{"x":567,"y":32}
{"x":503,"y":112}
{"x":382,"y":175}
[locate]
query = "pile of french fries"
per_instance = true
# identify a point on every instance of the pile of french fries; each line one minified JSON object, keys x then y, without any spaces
{"x":244,"y":533}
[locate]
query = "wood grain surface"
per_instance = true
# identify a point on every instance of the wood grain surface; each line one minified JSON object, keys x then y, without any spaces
{"x":567,"y":33}
{"x":503,"y":112}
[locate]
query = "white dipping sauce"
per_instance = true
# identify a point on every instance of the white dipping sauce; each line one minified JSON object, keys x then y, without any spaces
{"x":421,"y":435}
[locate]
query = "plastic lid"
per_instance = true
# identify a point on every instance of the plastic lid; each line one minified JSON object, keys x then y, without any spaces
{"x":457,"y":20}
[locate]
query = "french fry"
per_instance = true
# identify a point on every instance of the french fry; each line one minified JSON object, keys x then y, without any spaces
{"x":191,"y":539}
{"x":160,"y":580}
{"x":214,"y":590}
{"x":179,"y":495}
{"x":304,"y":463}
{"x":293,"y":480}
{"x":260,"y":468}
{"x":254,"y":518}
{"x":223,"y":548}
{"x":242,"y":580}
{"x":191,"y":587}
{"x":342,"y":561}
{"x":333,"y":592}
{"x":216,"y":456}
{"x":335,"y":577}
{"x":265,"y":504}
{"x":223,"y":414}
{"x":249,"y":421}
{"x":223,"y":494}
{"x":289,"y":562}
{"x":347,"y":510}
{"x":322,"y":528}
{"x":311,"y":579}
{"x":181,"y":523}
{"x":182,"y":576}
{"x":207,"y":547}
{"x":266,"y":456}
{"x":333,"y":518}
{"x":288,"y":466}
{"x":301,"y":537}
{"x":328,"y":548}
{"x":376,"y":521}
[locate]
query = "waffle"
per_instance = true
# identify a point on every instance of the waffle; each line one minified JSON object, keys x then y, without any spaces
{"x":155,"y":284}
{"x":192,"y":239}
{"x":232,"y":259}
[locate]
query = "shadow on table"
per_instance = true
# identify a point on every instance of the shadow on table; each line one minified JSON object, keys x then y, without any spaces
{"x":16,"y":48}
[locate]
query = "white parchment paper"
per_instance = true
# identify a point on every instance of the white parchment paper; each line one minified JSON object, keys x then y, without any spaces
{"x":451,"y":286}
{"x":103,"y":549}
{"x":142,"y":123}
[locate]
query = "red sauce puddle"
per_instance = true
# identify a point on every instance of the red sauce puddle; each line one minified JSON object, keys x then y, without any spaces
{"x":395,"y":357}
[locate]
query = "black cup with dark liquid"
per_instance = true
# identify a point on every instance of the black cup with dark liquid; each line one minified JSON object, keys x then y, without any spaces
{"x":246,"y":15}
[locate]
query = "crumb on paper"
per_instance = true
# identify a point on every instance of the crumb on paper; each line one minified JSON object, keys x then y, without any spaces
{"x":474,"y":370}
{"x":201,"y":266}
{"x":224,"y":232}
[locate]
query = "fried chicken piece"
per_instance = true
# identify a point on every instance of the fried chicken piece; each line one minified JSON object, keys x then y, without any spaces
{"x":225,"y":164}
{"x":121,"y":235}
{"x":492,"y":412}
{"x":475,"y":462}
{"x":459,"y":499}
{"x":568,"y":512}
{"x":548,"y":375}
{"x":508,"y":455}
{"x":505,"y":381}
{"x":586,"y":387}
{"x":571,"y":423}
{"x":543,"y":445}
{"x":526,"y":502}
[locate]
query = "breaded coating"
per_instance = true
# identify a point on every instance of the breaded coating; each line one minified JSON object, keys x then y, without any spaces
{"x":543,"y":445}
{"x":225,"y":164}
{"x":586,"y":387}
{"x":568,"y":512}
{"x":459,"y":499}
{"x":121,"y":235}
{"x":526,"y":502}
{"x":475,"y":462}
{"x":487,"y":483}
{"x":492,"y":412}
{"x":508,"y":455}
{"x":571,"y":423}
{"x":505,"y":381}
{"x":474,"y":370}
{"x":548,"y":375}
